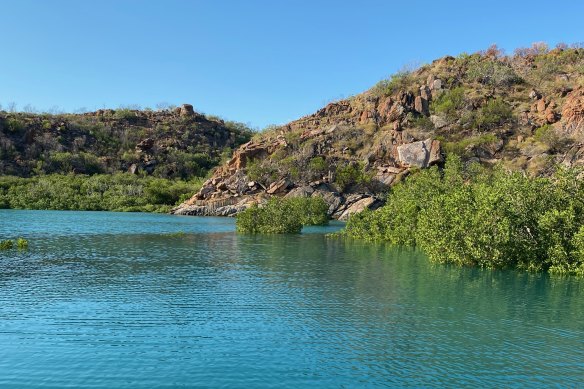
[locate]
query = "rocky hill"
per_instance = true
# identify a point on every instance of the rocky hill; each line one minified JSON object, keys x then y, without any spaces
{"x":177,"y":143}
{"x":524,"y":111}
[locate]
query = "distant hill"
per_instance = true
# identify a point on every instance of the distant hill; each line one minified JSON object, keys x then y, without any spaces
{"x":524,"y":111}
{"x":177,"y":143}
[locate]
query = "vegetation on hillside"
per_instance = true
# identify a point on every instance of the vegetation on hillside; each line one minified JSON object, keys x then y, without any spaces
{"x":485,"y":106}
{"x":489,"y":218}
{"x":166,"y":144}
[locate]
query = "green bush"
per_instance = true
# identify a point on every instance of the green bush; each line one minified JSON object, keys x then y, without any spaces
{"x":282,"y":216}
{"x":350,"y":174}
{"x":6,"y":244}
{"x":492,"y":73}
{"x":494,"y":113}
{"x":490,"y":219}
{"x":21,"y":243}
{"x":448,"y":104}
{"x":399,"y":81}
{"x":318,"y":165}
{"x":548,"y":136}
{"x":117,"y":192}
{"x":15,"y":125}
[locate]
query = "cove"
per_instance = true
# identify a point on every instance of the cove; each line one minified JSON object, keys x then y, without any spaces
{"x":103,"y":299}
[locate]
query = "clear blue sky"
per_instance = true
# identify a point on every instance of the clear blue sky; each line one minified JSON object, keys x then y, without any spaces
{"x":260,"y":62}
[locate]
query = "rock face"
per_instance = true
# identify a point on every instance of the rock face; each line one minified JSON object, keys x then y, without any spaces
{"x":352,"y":151}
{"x":420,"y":154}
{"x":573,"y":113}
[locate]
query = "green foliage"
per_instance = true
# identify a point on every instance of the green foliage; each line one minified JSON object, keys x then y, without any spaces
{"x":460,"y":147}
{"x":494,"y":113}
{"x":262,"y":171}
{"x":125,"y":114}
{"x":548,"y":136}
{"x":282,"y":216}
{"x":448,"y":104}
{"x":473,"y":217}
{"x":22,"y":243}
{"x":399,"y":81}
{"x":6,"y":244}
{"x":318,"y":165}
{"x":15,"y":125}
{"x":64,"y":162}
{"x":492,"y":73}
{"x":118,"y":192}
{"x":350,"y":174}
{"x":423,"y":122}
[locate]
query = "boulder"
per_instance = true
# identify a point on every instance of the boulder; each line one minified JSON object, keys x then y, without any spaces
{"x":421,"y":154}
{"x":356,"y":207}
{"x":186,"y":110}
{"x":438,"y":121}
{"x":133,"y":169}
{"x":573,"y":113}
{"x":279,"y":186}
{"x":302,"y":191}
{"x":145,"y":145}
{"x":421,"y":105}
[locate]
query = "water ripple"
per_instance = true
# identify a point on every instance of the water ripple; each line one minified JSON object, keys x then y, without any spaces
{"x":142,"y":307}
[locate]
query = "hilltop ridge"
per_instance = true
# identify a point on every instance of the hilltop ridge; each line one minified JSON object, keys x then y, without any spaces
{"x":524,"y":111}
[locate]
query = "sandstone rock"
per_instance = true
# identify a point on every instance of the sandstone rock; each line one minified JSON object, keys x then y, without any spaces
{"x":421,"y":154}
{"x":333,"y":199}
{"x":437,"y":84}
{"x":573,"y":113}
{"x":186,"y":110}
{"x":438,"y":121}
{"x":550,"y":116}
{"x":145,"y":145}
{"x":425,"y":93}
{"x":302,"y":191}
{"x":421,"y":105}
{"x":279,"y":186}
{"x":541,"y":105}
{"x":534,"y":95}
{"x":357,"y":207}
{"x":133,"y":169}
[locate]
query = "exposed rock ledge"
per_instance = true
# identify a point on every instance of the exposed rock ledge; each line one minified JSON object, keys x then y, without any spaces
{"x":230,"y":191}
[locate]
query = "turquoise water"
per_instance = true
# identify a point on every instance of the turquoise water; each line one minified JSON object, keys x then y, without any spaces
{"x":113,"y":300}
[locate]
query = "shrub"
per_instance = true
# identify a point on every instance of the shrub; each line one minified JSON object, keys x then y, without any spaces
{"x":548,"y":136}
{"x":494,"y":113}
{"x":118,"y":192}
{"x":6,"y":244}
{"x":495,"y":220}
{"x":21,"y":243}
{"x":15,"y":125}
{"x":318,"y":165}
{"x":125,"y":114}
{"x":282,"y":216}
{"x":492,"y":73}
{"x":399,"y":81}
{"x":448,"y":104}
{"x":350,"y":174}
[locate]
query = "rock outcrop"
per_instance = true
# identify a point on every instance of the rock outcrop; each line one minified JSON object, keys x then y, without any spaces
{"x":487,"y":108}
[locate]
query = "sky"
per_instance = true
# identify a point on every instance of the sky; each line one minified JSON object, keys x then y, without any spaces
{"x":259,"y":62}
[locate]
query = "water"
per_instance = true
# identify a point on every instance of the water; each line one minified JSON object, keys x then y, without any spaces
{"x":111,"y":300}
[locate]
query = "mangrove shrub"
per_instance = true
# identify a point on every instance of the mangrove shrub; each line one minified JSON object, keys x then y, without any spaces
{"x":497,"y":219}
{"x":283,"y":216}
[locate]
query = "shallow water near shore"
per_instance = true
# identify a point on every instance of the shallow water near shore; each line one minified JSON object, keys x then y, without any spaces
{"x":104,"y":300}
